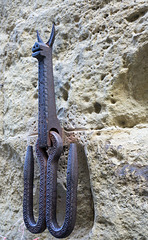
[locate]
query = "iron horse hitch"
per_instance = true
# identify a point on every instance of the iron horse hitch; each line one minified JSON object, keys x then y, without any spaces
{"x":49,"y":138}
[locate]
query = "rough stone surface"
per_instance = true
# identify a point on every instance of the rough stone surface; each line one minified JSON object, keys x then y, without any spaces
{"x":100,"y":58}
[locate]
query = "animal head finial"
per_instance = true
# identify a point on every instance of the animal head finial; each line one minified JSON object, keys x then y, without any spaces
{"x":40,"y":49}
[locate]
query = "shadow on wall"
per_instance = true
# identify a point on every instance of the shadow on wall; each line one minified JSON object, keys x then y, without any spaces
{"x":129,"y":94}
{"x":85,"y":208}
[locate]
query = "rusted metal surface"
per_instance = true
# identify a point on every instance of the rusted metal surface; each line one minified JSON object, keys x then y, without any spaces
{"x":47,"y":118}
{"x":71,"y":194}
{"x":40,"y":225}
{"x":49,"y":140}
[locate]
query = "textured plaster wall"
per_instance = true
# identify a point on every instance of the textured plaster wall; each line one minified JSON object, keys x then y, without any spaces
{"x":100,"y":58}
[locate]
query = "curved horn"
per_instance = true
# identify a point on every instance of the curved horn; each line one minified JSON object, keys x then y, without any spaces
{"x":52,"y":37}
{"x":38,"y":37}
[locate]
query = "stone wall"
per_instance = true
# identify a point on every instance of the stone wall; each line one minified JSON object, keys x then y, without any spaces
{"x":100,"y":58}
